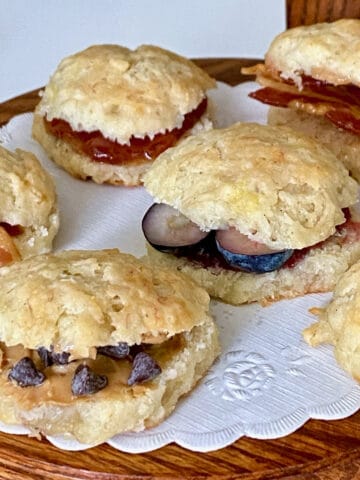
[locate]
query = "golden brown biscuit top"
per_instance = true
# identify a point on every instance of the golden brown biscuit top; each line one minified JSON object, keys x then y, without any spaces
{"x":78,"y":300}
{"x":325,"y":51}
{"x":27,"y":192}
{"x":277,"y":186}
{"x":124,"y":92}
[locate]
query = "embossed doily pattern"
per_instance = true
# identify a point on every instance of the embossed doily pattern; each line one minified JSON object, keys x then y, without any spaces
{"x":267,"y":382}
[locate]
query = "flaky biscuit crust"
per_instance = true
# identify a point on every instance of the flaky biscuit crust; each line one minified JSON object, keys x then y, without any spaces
{"x":124,"y":93}
{"x":345,"y":145}
{"x":118,"y":408}
{"x":78,"y":300}
{"x":325,"y":51}
{"x":339,"y":322}
{"x":28,"y":199}
{"x":273,"y":184}
{"x":81,"y":166}
{"x":317,"y":272}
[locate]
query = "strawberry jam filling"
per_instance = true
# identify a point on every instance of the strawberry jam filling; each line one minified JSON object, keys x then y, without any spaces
{"x":101,"y":149}
{"x":12,"y":230}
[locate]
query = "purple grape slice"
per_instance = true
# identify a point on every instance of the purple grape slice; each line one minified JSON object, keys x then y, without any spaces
{"x":166,"y":229}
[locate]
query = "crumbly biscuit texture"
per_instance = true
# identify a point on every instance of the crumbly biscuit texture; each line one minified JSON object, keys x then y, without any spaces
{"x":81,"y":166}
{"x":345,"y":145}
{"x":117,"y":408}
{"x":325,"y":51}
{"x":317,"y":272}
{"x":28,"y":199}
{"x":339,"y":322}
{"x":273,"y":184}
{"x":124,"y":93}
{"x":78,"y":300}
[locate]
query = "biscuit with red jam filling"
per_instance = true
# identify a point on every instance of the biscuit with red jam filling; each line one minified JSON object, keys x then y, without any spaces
{"x":29,"y":217}
{"x":108,"y":111}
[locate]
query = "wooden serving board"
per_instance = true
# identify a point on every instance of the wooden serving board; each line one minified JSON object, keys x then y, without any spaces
{"x":326,"y":450}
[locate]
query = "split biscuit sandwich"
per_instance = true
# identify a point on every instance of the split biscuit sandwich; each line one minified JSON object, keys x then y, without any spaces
{"x":311,"y":78}
{"x":108,"y":111}
{"x":95,"y":343}
{"x":339,"y":322}
{"x":252,"y":213}
{"x":29,"y":217}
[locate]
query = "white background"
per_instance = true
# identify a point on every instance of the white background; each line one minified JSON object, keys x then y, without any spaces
{"x":36,"y":34}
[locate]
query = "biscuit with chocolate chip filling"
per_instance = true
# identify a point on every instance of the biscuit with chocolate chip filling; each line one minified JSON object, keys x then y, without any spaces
{"x":59,"y":311}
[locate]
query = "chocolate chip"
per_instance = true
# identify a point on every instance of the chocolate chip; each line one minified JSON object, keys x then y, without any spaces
{"x":135,"y":349}
{"x":49,"y":357}
{"x":121,"y":350}
{"x":25,"y":374}
{"x":87,"y":382}
{"x":144,"y":368}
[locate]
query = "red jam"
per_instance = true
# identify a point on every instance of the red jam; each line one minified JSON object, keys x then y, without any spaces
{"x":100,"y":149}
{"x":12,"y":230}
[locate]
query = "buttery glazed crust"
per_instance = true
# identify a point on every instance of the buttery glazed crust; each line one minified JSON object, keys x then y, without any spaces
{"x":346,"y":146}
{"x":28,"y":199}
{"x":317,"y":272}
{"x":124,"y":93}
{"x":78,"y":300}
{"x":81,"y":166}
{"x":117,"y":408}
{"x":273,"y":184}
{"x":325,"y":51}
{"x":339,"y":322}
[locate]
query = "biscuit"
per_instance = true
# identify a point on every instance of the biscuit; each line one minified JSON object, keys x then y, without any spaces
{"x":28,"y":205}
{"x":344,"y":145}
{"x":324,"y":51}
{"x":124,"y":95}
{"x":339,"y":323}
{"x":275,"y":185}
{"x":74,"y":302}
{"x":89,"y":299}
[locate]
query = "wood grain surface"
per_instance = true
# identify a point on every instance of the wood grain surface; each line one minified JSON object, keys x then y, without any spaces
{"x":306,"y":12}
{"x":320,"y":450}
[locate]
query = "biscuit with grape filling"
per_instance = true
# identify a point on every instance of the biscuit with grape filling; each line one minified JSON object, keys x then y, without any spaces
{"x":263,"y":212}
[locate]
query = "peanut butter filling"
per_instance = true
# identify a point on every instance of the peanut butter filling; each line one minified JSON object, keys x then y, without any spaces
{"x":57,"y":386}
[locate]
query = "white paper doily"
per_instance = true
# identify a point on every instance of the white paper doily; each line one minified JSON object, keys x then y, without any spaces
{"x":267,"y":382}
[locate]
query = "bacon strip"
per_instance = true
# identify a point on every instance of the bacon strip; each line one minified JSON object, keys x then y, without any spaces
{"x":339,"y":104}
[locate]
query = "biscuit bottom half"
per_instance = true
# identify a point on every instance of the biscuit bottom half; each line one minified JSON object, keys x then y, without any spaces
{"x":118,"y":408}
{"x":316,"y":272}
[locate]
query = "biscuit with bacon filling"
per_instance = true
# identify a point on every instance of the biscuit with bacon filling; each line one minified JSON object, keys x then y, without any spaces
{"x":108,"y":111}
{"x":313,"y":71}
